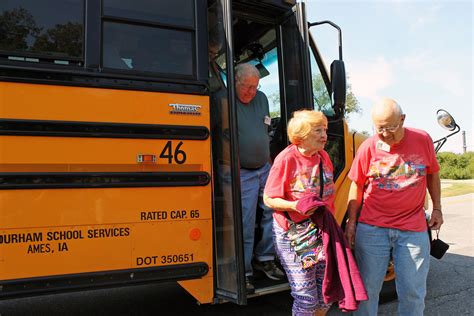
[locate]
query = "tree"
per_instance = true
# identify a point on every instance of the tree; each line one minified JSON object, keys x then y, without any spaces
{"x":63,"y":38}
{"x":456,"y":166}
{"x":19,"y":24}
{"x":352,"y":104}
{"x":15,"y":27}
{"x":274,"y":98}
{"x":322,"y":100}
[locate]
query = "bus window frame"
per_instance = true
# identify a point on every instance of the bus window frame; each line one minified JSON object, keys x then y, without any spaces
{"x":320,"y":62}
{"x":148,"y":21}
{"x":90,"y":74}
{"x":335,"y":122}
{"x":35,"y":55}
{"x":152,"y":25}
{"x":240,"y":295}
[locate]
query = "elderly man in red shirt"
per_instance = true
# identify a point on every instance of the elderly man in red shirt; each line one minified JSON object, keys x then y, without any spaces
{"x":390,"y":174}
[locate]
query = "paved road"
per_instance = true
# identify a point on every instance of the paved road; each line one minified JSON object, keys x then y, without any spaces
{"x":450,"y":286}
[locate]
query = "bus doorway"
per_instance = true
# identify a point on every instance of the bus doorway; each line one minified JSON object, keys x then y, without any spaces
{"x":275,"y":43}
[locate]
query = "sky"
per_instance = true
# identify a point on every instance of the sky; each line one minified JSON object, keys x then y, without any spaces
{"x":416,"y":52}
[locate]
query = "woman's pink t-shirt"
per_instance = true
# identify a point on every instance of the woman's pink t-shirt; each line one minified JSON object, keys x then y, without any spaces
{"x":294,"y":175}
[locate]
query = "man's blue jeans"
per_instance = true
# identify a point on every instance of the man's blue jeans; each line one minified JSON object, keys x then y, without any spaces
{"x":411,"y":257}
{"x":252,"y":183}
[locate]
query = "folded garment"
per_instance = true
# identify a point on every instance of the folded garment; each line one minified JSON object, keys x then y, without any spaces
{"x":342,"y":282}
{"x":308,"y":204}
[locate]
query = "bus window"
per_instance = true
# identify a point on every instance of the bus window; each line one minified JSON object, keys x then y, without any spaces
{"x":141,"y":48}
{"x":270,"y":85}
{"x":335,"y":149}
{"x":29,"y":30}
{"x":322,"y":102}
{"x":321,"y":98}
{"x":157,"y":37}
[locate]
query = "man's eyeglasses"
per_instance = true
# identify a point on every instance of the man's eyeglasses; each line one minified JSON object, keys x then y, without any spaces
{"x":390,"y":129}
{"x":250,"y":87}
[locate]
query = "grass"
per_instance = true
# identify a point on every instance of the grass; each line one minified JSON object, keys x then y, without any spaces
{"x":457,"y":189}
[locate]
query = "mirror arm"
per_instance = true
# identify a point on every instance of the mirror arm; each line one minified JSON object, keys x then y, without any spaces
{"x":440,"y":142}
{"x":336,"y":27}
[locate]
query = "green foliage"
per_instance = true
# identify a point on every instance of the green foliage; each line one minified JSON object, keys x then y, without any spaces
{"x":63,"y":38}
{"x":274,"y":114}
{"x":455,"y":189}
{"x":321,"y":98}
{"x":274,"y":99}
{"x":322,"y":101}
{"x":15,"y":27}
{"x":18,"y":26}
{"x":456,"y":166}
{"x":352,"y":104}
{"x":333,"y":148}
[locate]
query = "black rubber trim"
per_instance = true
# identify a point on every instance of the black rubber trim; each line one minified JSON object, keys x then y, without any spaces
{"x":63,"y":180}
{"x":62,"y":75}
{"x":20,"y":127}
{"x":354,"y":144}
{"x":71,"y":282}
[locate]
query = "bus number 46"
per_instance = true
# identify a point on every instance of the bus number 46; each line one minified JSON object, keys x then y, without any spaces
{"x":179,"y":155}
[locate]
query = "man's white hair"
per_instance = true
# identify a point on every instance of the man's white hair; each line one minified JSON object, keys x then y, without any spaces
{"x":246,"y":70}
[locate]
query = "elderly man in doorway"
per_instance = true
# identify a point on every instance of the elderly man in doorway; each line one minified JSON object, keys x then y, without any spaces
{"x":253,"y":119}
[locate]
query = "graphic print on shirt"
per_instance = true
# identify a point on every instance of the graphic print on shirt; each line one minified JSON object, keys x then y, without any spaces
{"x":397,"y":172}
{"x":306,"y":180}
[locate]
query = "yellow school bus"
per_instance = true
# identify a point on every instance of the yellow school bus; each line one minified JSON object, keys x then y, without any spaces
{"x":110,"y":165}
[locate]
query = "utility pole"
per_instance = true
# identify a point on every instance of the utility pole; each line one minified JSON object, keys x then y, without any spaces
{"x":464,"y":147}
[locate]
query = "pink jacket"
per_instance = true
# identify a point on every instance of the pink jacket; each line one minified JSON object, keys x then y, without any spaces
{"x":342,"y":281}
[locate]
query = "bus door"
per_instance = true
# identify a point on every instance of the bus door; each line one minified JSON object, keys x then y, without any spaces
{"x":271,"y":37}
{"x":229,"y":263}
{"x":295,"y":92}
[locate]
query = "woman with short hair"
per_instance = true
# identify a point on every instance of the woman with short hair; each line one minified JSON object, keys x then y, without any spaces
{"x":295,"y":173}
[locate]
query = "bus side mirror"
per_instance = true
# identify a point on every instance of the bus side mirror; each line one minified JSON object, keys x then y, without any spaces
{"x":445,"y":120}
{"x":338,"y":85}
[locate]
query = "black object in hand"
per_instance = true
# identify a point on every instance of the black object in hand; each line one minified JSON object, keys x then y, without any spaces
{"x":438,"y":248}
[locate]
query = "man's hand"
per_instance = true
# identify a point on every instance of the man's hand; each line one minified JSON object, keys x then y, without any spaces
{"x":354,"y":202}
{"x":436,"y":219}
{"x":350,"y":231}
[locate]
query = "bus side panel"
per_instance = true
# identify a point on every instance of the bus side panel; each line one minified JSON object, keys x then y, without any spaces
{"x":63,"y":103}
{"x":81,"y":207}
{"x":352,"y":142}
{"x":200,"y":289}
{"x":343,"y":183}
{"x":96,"y":227}
{"x":63,"y":154}
{"x":121,"y":231}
